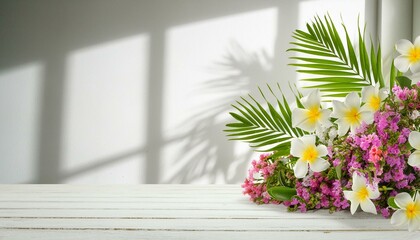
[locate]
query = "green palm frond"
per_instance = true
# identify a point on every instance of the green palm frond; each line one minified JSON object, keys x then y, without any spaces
{"x":339,"y":69}
{"x":264,"y":129}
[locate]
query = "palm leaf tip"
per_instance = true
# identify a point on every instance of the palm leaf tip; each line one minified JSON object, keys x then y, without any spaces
{"x":332,"y":60}
{"x":264,"y":128}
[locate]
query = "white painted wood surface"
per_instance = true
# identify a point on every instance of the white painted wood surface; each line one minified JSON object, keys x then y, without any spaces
{"x":171,"y":212}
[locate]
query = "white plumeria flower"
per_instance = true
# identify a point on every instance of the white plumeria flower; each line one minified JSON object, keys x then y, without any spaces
{"x":312,"y":117}
{"x":409,"y":212}
{"x":349,"y":114}
{"x":410,"y":55}
{"x":414,"y":140}
{"x":362,"y":194}
{"x":372,"y":96}
{"x":308,"y":153}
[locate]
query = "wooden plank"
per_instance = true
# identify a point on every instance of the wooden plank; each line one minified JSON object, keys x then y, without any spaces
{"x":170,"y":212}
{"x":327,"y":224}
{"x":202,"y":235}
{"x":187,"y":204}
{"x":272,"y":212}
{"x":39,"y":188}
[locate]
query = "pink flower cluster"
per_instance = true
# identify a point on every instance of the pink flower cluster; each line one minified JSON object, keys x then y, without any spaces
{"x":318,"y":191}
{"x":379,"y":151}
{"x":404,"y":94}
{"x":255,"y":185}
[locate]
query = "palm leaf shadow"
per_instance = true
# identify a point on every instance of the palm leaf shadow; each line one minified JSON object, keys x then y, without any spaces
{"x":205,"y":147}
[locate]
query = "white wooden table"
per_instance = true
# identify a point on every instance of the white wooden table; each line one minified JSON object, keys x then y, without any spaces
{"x":170,"y":212}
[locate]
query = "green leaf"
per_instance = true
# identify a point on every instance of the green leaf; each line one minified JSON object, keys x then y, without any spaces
{"x":319,"y":60}
{"x":333,"y":79}
{"x":328,"y":72}
{"x":282,"y":193}
{"x":404,"y":81}
{"x":379,"y":67}
{"x":264,"y":129}
{"x":338,"y":171}
{"x":391,"y":203}
{"x":392,"y":75}
{"x":334,"y":60}
{"x":240,"y":118}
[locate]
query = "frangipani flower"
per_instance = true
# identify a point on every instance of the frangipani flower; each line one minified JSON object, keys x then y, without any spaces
{"x":414,"y":140}
{"x":308,"y":153}
{"x":349,"y":114}
{"x":372,"y":96}
{"x":362,"y":194}
{"x":312,"y":117}
{"x":410,"y":55}
{"x":409,"y":211}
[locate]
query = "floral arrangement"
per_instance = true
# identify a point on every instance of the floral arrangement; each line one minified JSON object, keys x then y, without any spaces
{"x":352,"y":141}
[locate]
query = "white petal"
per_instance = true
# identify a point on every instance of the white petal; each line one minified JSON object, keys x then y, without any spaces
{"x":414,"y":139}
{"x":349,"y":195}
{"x":343,"y":127}
{"x":322,"y":150}
{"x":358,"y":182}
{"x":353,"y":127}
{"x":313,"y":100}
{"x":308,"y":140}
{"x":402,"y":63}
{"x":319,"y":165}
{"x":399,"y":218}
{"x":353,"y":206}
{"x":308,"y":126}
{"x":404,"y":46}
{"x":297,"y":147}
{"x":373,"y":193}
{"x":339,"y":109}
{"x":414,"y":159}
{"x":415,"y":67}
{"x":417,"y":197}
{"x":300,"y":169}
{"x":325,"y":116}
{"x":417,"y":41}
{"x":414,"y":224}
{"x":352,"y":100}
{"x":383,"y":94}
{"x":367,"y":116}
{"x":299,"y":115}
{"x":403,"y":199}
{"x":368,"y":206}
{"x":367,"y":93}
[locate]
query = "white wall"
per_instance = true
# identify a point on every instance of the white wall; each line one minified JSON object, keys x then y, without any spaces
{"x":106,"y":91}
{"x":395,"y":22}
{"x":416,"y":18}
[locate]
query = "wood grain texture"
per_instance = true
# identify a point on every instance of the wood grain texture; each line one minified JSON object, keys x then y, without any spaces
{"x":170,"y":212}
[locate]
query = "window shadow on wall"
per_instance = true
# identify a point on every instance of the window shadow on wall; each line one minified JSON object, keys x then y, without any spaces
{"x":48,"y":32}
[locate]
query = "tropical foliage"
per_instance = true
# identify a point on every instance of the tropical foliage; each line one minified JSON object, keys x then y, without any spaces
{"x":339,"y":70}
{"x":364,"y":151}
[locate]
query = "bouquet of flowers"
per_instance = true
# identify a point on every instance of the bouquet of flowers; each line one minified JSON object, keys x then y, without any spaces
{"x":353,"y":140}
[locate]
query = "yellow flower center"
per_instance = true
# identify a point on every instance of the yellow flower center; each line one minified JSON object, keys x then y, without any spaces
{"x":414,"y":55}
{"x":353,"y":116}
{"x":412,"y":210}
{"x":362,"y":194}
{"x":310,"y":154}
{"x":374,"y":102}
{"x":314,"y":114}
